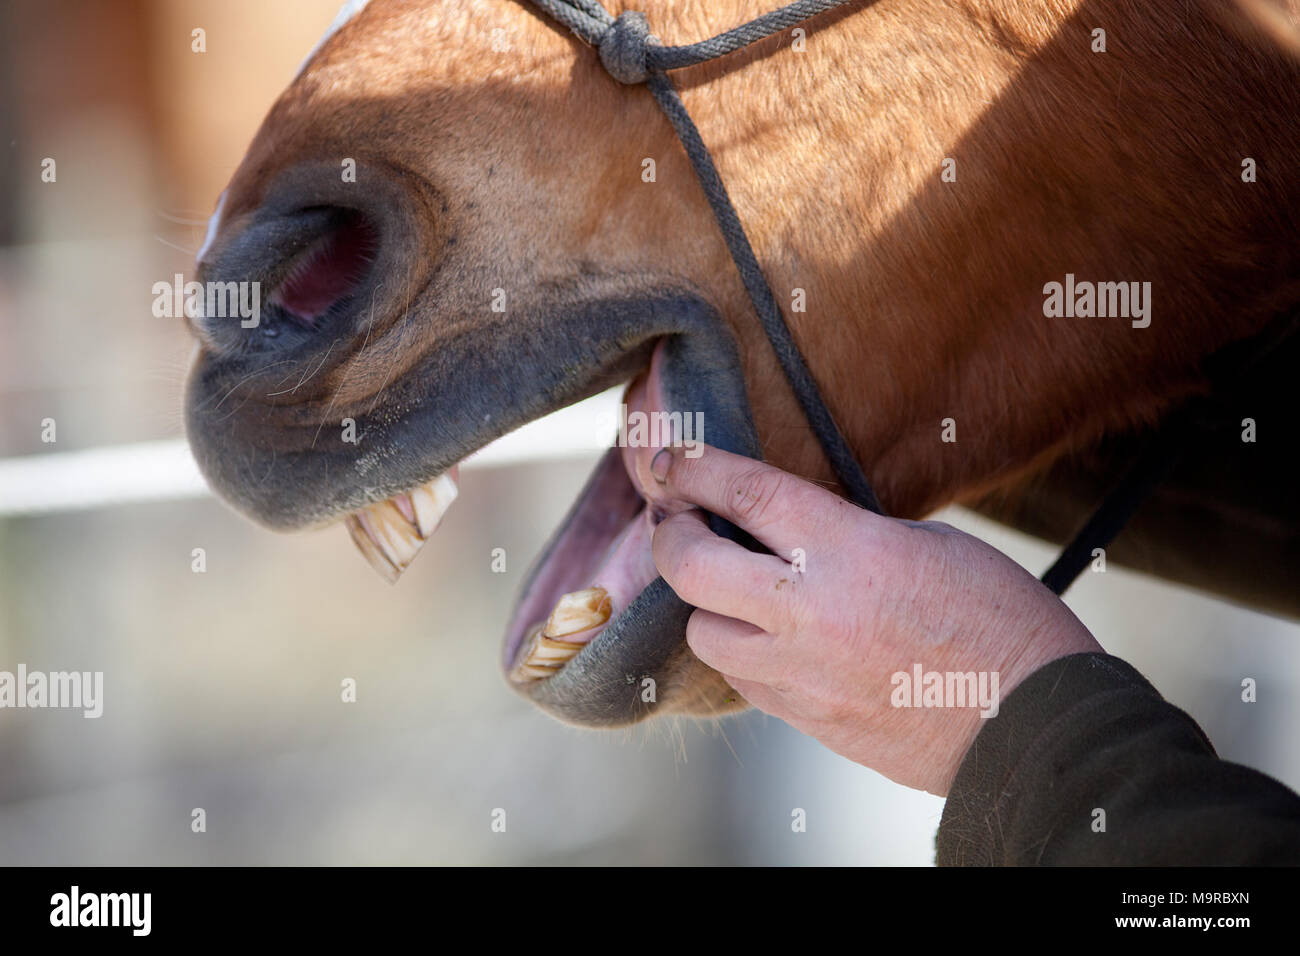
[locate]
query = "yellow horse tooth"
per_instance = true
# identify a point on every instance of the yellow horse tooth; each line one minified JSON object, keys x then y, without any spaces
{"x":370,"y":551}
{"x":549,"y":652}
{"x":540,"y":657}
{"x":384,"y":536}
{"x":543,"y":653}
{"x":578,"y":611}
{"x":396,"y":537}
{"x":431,"y":501}
{"x":390,"y":533}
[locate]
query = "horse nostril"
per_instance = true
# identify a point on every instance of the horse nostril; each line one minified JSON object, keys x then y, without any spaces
{"x":299,"y":271}
{"x":327,"y":272}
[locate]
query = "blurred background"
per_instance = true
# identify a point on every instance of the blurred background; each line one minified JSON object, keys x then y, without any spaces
{"x":222,"y":689}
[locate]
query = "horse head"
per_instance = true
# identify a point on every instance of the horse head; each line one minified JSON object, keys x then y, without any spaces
{"x":459,"y":223}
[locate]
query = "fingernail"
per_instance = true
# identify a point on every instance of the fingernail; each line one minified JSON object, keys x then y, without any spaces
{"x":660,"y":463}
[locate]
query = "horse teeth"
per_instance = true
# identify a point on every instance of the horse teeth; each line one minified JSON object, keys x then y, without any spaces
{"x":578,"y":611}
{"x":542,"y":656}
{"x":366,"y":545}
{"x":431,"y":502}
{"x":390,"y":533}
{"x":544,"y":653}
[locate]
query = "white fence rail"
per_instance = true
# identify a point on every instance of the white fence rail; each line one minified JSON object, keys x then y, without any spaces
{"x":165,"y":471}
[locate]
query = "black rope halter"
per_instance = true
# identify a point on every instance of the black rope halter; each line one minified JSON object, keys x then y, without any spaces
{"x":632,"y":55}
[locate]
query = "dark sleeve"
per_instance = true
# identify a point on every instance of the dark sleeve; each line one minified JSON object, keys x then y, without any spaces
{"x":1088,"y":733}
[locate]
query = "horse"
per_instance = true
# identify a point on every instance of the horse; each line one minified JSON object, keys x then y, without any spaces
{"x":463,"y":223}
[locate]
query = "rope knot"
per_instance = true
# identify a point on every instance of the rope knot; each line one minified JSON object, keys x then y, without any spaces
{"x":623,"y":47}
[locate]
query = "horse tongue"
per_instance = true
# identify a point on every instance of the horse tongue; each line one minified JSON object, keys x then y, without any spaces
{"x":390,"y":533}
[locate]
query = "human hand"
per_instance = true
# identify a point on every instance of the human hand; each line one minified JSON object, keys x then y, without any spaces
{"x":825,"y":632}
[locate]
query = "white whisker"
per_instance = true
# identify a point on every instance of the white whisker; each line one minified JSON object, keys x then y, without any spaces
{"x":188,"y":252}
{"x":179,"y":220}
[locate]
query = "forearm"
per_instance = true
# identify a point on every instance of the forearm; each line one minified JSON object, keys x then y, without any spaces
{"x":1086,"y":735}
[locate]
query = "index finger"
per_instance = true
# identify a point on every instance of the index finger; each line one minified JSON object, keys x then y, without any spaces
{"x":782,"y":511}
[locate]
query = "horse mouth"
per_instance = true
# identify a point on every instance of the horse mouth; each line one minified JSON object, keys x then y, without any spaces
{"x":596,"y":565}
{"x":377,"y":368}
{"x":599,"y":560}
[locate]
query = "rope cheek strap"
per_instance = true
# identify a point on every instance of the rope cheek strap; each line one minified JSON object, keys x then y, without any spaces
{"x":631,"y":55}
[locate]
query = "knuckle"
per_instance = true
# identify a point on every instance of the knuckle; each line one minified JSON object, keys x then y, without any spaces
{"x":753,"y":494}
{"x":776,"y":594}
{"x":784,"y":597}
